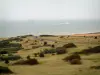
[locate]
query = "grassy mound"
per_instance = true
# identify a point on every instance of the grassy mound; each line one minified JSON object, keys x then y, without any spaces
{"x":69,"y":45}
{"x":5,"y":70}
{"x":27,"y":62}
{"x":91,"y":50}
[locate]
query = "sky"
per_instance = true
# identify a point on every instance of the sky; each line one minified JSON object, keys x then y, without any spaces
{"x":49,"y":9}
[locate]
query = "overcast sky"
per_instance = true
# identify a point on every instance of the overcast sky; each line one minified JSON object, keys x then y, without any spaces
{"x":49,"y":9}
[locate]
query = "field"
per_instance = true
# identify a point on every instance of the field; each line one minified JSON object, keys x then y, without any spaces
{"x":53,"y":64}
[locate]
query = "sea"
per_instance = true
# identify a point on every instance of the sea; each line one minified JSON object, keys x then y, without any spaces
{"x":50,"y":27}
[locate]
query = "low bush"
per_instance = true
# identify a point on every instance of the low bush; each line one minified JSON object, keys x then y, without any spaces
{"x":61,"y":37}
{"x":6,"y":61}
{"x":95,"y":67}
{"x":56,"y":42}
{"x":7,"y":44}
{"x":49,"y":51}
{"x":41,"y":54}
{"x":5,"y":70}
{"x":35,"y":54}
{"x":95,"y":37}
{"x":11,"y":50}
{"x":73,"y":56}
{"x":28,"y":57}
{"x":69,"y":45}
{"x":60,"y":50}
{"x":27,"y":62}
{"x":52,"y":46}
{"x":47,"y":35}
{"x":13,"y":57}
{"x":45,"y":43}
{"x":73,"y":59}
{"x":91,"y":50}
{"x":4,"y":43}
{"x":3,"y":52}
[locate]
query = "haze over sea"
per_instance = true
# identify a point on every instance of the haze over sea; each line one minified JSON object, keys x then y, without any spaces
{"x":55,"y":27}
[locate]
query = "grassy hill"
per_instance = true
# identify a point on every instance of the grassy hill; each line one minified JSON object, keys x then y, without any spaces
{"x":53,"y":64}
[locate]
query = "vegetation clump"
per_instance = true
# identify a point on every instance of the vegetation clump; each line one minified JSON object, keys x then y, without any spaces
{"x":61,"y":50}
{"x":10,"y":57}
{"x":47,"y":35}
{"x":69,"y":45}
{"x":28,"y":57}
{"x":58,"y":50}
{"x":5,"y":70}
{"x":53,"y":46}
{"x":45,"y":43}
{"x":3,"y":52}
{"x":41,"y":54}
{"x":35,"y":54}
{"x":49,"y":51}
{"x":91,"y":50}
{"x":95,"y":37}
{"x":7,"y":46}
{"x":73,"y":59}
{"x":27,"y":62}
{"x":61,"y":36}
{"x":95,"y":67}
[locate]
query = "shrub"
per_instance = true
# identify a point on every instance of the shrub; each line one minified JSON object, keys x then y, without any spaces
{"x":7,"y":44}
{"x":27,"y":62}
{"x":3,"y":52}
{"x":18,"y":39}
{"x":47,"y":35}
{"x":68,"y":36}
{"x":4,"y":43}
{"x":91,"y":50}
{"x":28,"y":57}
{"x":12,"y":49}
{"x":53,"y":53}
{"x":9,"y":54}
{"x":6,"y":61}
{"x":60,"y":50}
{"x":13,"y":57}
{"x":69,"y":45}
{"x":73,"y":56}
{"x":5,"y":70}
{"x":73,"y":59}
{"x":49,"y":51}
{"x":33,"y":47}
{"x":35,"y":54}
{"x":45,"y":43}
{"x":61,"y":36}
{"x":95,"y":37}
{"x":95,"y":67}
{"x":41,"y":54}
{"x":52,"y":46}
{"x":55,"y":41}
